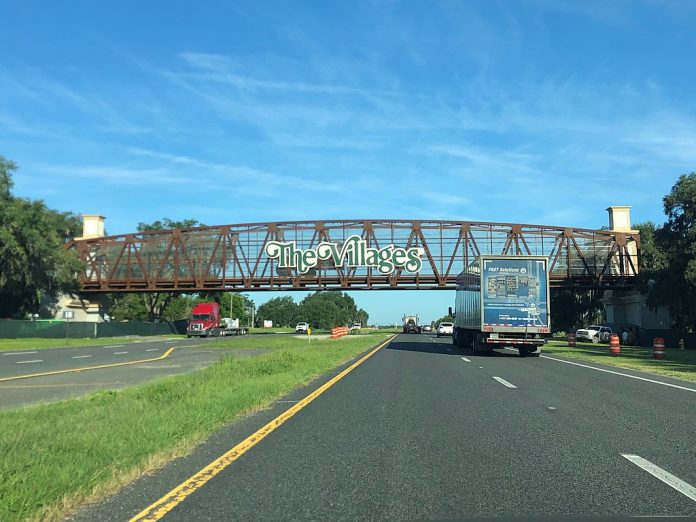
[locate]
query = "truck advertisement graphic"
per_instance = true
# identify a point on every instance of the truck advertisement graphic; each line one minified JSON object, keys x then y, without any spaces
{"x":515,"y":293}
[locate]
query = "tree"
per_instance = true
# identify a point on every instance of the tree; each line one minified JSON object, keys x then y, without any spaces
{"x":327,"y":309}
{"x":361,"y":317}
{"x":572,"y":308}
{"x":283,"y":311}
{"x":33,"y":259}
{"x":444,"y":319}
{"x":168,"y":224}
{"x":671,"y":260}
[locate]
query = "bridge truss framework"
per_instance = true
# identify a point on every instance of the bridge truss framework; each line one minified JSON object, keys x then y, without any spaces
{"x":232,"y":257}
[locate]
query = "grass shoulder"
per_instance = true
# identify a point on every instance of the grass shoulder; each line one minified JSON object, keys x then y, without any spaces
{"x":680,"y":364}
{"x":101,"y":442}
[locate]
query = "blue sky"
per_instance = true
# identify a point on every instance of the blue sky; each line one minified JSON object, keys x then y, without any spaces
{"x":228,"y":112}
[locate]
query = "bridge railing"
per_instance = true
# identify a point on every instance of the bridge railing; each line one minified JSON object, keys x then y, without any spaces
{"x":233,"y":257}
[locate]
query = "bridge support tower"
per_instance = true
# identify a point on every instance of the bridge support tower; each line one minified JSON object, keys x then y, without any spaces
{"x":628,"y":306}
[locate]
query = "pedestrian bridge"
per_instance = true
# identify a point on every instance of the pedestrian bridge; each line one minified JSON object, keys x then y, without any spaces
{"x":344,"y":254}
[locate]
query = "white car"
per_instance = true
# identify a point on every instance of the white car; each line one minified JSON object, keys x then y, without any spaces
{"x":355,"y":326}
{"x":594,"y":333}
{"x":427,"y":328}
{"x":445,"y":329}
{"x":302,"y":328}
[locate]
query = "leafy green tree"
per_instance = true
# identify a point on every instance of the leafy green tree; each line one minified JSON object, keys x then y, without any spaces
{"x":671,"y":261}
{"x":235,"y":306}
{"x":33,"y":259}
{"x":361,"y":317}
{"x":327,"y":309}
{"x":168,"y":224}
{"x":572,"y":308}
{"x":283,"y":311}
{"x":444,"y":319}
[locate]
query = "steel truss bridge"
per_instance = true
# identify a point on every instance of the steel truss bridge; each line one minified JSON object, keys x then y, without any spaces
{"x":233,"y":257}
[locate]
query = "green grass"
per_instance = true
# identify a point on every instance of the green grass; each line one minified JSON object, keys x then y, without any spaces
{"x":54,"y":457}
{"x":273,"y":342}
{"x":257,"y":330}
{"x":677,"y":363}
{"x":44,"y":344}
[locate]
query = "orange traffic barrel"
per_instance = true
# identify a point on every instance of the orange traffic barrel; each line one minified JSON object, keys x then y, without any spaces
{"x":571,"y":339}
{"x":659,"y":348}
{"x":614,"y":346}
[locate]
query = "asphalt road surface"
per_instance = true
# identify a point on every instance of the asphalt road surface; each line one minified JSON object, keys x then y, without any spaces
{"x":423,"y":431}
{"x":189,"y":355}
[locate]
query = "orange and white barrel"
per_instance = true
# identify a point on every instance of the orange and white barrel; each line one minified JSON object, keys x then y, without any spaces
{"x":659,"y":348}
{"x":614,"y":345}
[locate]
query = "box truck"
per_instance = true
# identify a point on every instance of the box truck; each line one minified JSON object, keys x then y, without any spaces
{"x":503,"y":301}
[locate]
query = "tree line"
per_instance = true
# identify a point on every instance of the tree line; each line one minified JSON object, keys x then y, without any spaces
{"x":321,"y":310}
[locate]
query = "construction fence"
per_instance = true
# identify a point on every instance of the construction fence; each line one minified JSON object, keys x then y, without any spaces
{"x":12,"y":329}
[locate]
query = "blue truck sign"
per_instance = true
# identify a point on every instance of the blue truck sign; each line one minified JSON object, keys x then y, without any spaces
{"x":514,"y":293}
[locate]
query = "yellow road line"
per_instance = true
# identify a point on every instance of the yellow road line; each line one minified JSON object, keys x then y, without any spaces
{"x":177,"y":495}
{"x":67,"y":385}
{"x":73,"y":370}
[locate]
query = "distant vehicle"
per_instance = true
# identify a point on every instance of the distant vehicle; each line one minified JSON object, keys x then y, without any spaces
{"x":205,"y":321}
{"x":411,"y":324}
{"x":445,"y":329}
{"x":594,"y":333}
{"x":427,"y":328}
{"x":355,"y":326}
{"x":503,"y":301}
{"x":302,"y":328}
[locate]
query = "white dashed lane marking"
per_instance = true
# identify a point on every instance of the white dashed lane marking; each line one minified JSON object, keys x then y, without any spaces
{"x":504,"y":382}
{"x":675,"y":482}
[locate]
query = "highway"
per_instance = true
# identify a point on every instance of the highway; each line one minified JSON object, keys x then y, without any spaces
{"x":423,"y":431}
{"x":50,"y":378}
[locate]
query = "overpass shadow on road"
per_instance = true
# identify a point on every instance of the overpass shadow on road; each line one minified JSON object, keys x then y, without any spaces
{"x":422,"y":343}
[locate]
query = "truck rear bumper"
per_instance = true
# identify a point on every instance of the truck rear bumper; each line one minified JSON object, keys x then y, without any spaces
{"x":535,"y":342}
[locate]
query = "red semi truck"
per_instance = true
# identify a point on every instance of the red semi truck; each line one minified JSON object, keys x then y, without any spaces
{"x":205,"y":321}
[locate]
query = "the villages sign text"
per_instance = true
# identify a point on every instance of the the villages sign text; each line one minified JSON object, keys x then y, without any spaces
{"x":354,"y":252}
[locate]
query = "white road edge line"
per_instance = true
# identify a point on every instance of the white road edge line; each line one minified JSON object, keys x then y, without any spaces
{"x":504,"y":382}
{"x":119,"y":353}
{"x":115,"y":346}
{"x":18,"y":353}
{"x":619,"y":373}
{"x":27,"y":362}
{"x":81,"y":356}
{"x":666,"y":477}
{"x":465,"y":359}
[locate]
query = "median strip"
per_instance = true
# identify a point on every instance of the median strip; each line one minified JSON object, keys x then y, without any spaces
{"x":73,"y":370}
